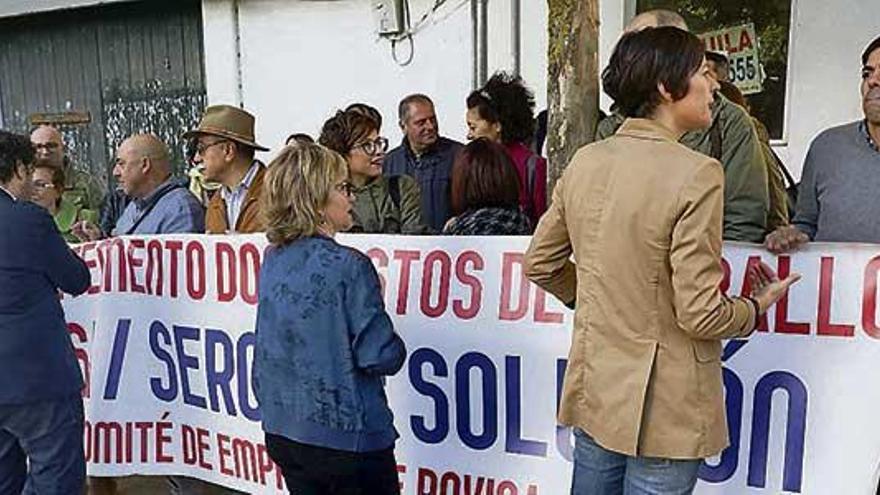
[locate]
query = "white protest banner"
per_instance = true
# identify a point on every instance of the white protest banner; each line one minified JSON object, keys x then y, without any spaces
{"x":741,"y":45}
{"x":165,"y":338}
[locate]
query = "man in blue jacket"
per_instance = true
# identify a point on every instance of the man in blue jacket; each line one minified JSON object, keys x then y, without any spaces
{"x":41,"y":410}
{"x":426,"y":156}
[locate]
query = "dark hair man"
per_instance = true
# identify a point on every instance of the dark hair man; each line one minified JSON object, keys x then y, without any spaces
{"x":719,"y":65}
{"x":41,"y":411}
{"x":837,"y":197}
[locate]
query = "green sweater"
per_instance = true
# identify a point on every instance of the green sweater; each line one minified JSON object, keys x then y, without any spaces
{"x":746,"y":193}
{"x":68,"y":214}
{"x":376,"y":213}
{"x":82,"y":189}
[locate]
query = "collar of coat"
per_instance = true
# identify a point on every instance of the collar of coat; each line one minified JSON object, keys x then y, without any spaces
{"x":6,"y":193}
{"x":217,"y":206}
{"x":646,"y":129}
{"x":720,"y":105}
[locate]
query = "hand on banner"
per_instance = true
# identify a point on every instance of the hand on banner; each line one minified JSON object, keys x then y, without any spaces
{"x":86,"y":231}
{"x":785,"y":239}
{"x":767,"y":288}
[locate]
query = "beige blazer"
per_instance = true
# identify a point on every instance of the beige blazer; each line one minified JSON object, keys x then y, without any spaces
{"x":642,"y":216}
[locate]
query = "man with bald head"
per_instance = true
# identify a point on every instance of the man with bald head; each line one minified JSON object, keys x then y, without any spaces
{"x":656,"y":18}
{"x":731,"y":139}
{"x":80,"y":188}
{"x":160,"y":204}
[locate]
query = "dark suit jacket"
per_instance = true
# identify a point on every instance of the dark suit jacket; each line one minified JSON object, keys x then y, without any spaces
{"x":37,"y":362}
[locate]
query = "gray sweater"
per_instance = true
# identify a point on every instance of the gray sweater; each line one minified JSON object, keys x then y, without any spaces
{"x":839,"y":194}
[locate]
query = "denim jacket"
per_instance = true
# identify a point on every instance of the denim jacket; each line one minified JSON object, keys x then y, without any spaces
{"x":324,"y":342}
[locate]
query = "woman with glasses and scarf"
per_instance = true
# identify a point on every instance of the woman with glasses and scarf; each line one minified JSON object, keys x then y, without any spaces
{"x":485,"y":193}
{"x":383,"y":205}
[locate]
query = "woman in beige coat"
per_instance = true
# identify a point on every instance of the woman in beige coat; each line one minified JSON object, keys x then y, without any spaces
{"x":642,"y":215}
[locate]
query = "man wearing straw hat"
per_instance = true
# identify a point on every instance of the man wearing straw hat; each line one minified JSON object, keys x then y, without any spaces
{"x":225,"y":147}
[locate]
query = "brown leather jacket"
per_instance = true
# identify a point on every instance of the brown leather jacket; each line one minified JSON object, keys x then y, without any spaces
{"x":249,"y":219}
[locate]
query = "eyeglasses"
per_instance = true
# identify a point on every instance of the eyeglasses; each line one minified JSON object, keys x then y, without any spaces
{"x":379,"y":145}
{"x":43,"y":185}
{"x":201,"y":148}
{"x":345,"y":187}
{"x":47,"y":146}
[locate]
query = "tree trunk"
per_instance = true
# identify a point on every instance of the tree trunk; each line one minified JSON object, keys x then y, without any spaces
{"x":572,"y":80}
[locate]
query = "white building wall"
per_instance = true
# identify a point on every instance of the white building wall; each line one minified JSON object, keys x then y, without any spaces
{"x":824,"y":69}
{"x":302,"y":59}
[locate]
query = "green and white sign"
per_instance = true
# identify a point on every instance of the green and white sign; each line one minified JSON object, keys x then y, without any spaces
{"x":741,"y":45}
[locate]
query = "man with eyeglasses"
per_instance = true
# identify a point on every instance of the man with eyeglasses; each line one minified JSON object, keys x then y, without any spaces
{"x":837,"y":197}
{"x":81,"y":188}
{"x":224,"y":149}
{"x":48,"y":189}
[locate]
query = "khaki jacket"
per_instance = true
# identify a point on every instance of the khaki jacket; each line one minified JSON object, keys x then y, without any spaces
{"x":778,"y":215}
{"x":249,"y":219}
{"x":376,"y":213}
{"x":642,"y":216}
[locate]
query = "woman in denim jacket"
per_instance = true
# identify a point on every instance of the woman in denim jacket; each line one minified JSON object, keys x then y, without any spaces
{"x":324,"y":340}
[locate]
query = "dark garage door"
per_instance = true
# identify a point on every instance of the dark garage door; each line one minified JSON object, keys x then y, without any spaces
{"x":103,"y":73}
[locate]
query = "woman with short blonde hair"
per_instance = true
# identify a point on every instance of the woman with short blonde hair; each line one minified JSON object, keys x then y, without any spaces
{"x":298,"y":176}
{"x":324,"y":340}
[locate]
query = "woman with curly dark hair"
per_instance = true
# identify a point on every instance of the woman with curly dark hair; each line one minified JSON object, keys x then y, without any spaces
{"x":503,"y":110}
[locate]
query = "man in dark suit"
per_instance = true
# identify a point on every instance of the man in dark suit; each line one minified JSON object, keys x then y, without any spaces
{"x":41,"y":411}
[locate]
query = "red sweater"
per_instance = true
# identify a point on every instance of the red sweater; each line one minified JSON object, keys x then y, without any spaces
{"x":534,"y":204}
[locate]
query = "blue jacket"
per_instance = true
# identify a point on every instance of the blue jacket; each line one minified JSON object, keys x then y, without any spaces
{"x":37,"y":362}
{"x":433,"y":172}
{"x":170,"y":209}
{"x":324,"y":342}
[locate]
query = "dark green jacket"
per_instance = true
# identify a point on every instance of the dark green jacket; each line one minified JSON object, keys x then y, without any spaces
{"x":376,"y":213}
{"x":82,"y":188}
{"x":779,"y":213}
{"x":746,"y":193}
